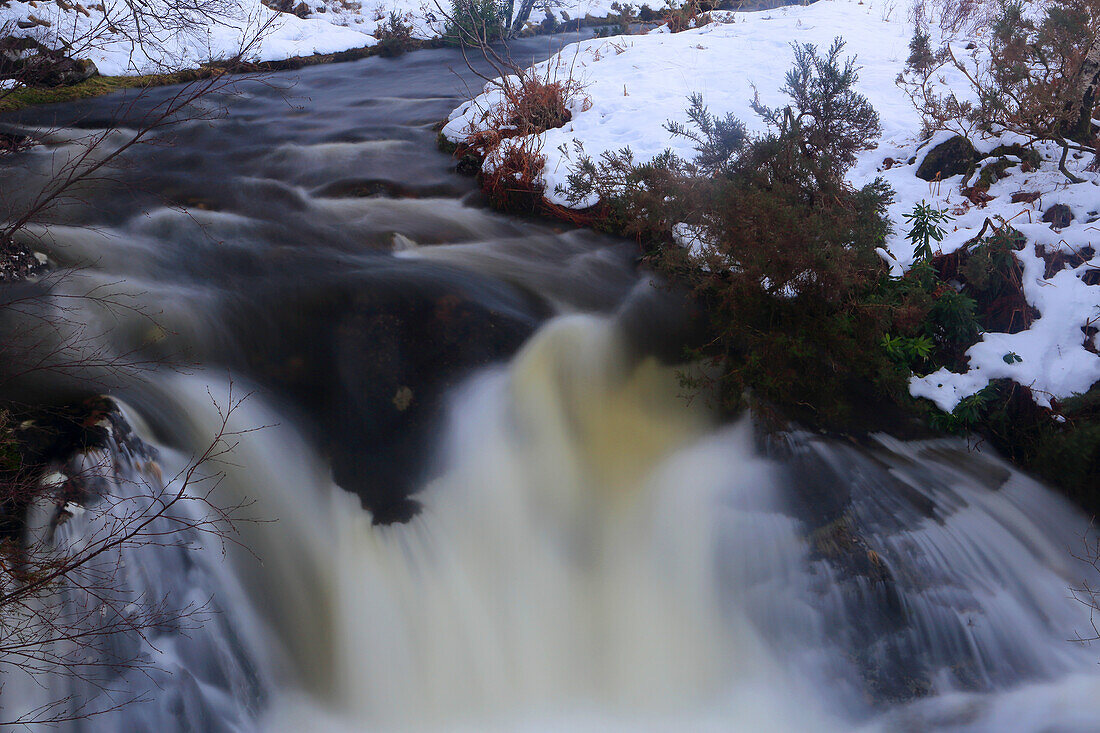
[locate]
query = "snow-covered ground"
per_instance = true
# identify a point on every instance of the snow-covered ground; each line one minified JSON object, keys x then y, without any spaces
{"x":633,"y":85}
{"x":171,"y":39}
{"x":107,"y":33}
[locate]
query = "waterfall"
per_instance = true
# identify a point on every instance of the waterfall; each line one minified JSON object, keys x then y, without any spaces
{"x":597,"y":553}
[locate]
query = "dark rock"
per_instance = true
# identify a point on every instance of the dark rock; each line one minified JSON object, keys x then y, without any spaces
{"x":468,"y":165}
{"x":1059,"y":216}
{"x":949,"y":158}
{"x":368,"y":358}
{"x":34,"y":64}
{"x":301,"y":10}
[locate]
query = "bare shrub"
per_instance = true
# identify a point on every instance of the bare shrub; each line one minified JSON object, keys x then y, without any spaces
{"x":63,"y":605}
{"x":685,"y":16}
{"x":64,"y":602}
{"x":1037,"y":75}
{"x":523,"y":103}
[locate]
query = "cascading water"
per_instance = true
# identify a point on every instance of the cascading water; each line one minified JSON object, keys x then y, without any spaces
{"x":594,"y":551}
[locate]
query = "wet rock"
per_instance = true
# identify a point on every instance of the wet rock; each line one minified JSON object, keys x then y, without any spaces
{"x":34,"y":64}
{"x":949,"y":158}
{"x":1059,"y":216}
{"x":369,"y":358}
{"x":468,"y":165}
{"x":41,"y":438}
{"x":381,"y":188}
{"x":18,"y":263}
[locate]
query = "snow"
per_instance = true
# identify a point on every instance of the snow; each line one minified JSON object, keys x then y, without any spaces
{"x":104,"y":33}
{"x":211,"y":30}
{"x":633,"y":85}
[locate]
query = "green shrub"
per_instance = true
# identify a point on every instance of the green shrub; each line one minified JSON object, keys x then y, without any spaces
{"x":841,"y":120}
{"x":924,"y":228}
{"x":791,"y":260}
{"x":682,"y":15}
{"x":801,"y":312}
{"x":473,"y":22}
{"x":394,"y":34}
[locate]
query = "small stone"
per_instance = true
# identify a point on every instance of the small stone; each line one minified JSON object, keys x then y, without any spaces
{"x":403,"y":398}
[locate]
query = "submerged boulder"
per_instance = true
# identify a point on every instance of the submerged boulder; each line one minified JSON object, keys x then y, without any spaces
{"x":368,"y":358}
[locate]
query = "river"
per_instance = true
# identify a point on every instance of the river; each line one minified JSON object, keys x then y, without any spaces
{"x":588,"y":548}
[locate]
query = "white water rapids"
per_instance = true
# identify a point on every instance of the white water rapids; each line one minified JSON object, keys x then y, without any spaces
{"x":597,"y":554}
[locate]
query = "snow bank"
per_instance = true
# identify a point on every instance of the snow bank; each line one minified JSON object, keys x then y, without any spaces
{"x":103,"y":30}
{"x":635,"y":84}
{"x":172,"y":40}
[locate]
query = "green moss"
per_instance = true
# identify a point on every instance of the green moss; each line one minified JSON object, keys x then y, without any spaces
{"x":1027,"y":155}
{"x":993,"y":172}
{"x":445,"y":144}
{"x":94,"y":87}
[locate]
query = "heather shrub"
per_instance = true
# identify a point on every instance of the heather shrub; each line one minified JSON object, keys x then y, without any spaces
{"x":781,"y":252}
{"x":475,"y":22}
{"x":1042,"y":79}
{"x":394,"y":34}
{"x":784,"y":259}
{"x":683,"y":15}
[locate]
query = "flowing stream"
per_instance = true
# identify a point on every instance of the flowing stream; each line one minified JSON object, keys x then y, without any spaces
{"x":591,"y":550}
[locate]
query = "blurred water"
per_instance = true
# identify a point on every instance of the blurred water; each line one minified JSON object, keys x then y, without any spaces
{"x":595,"y":551}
